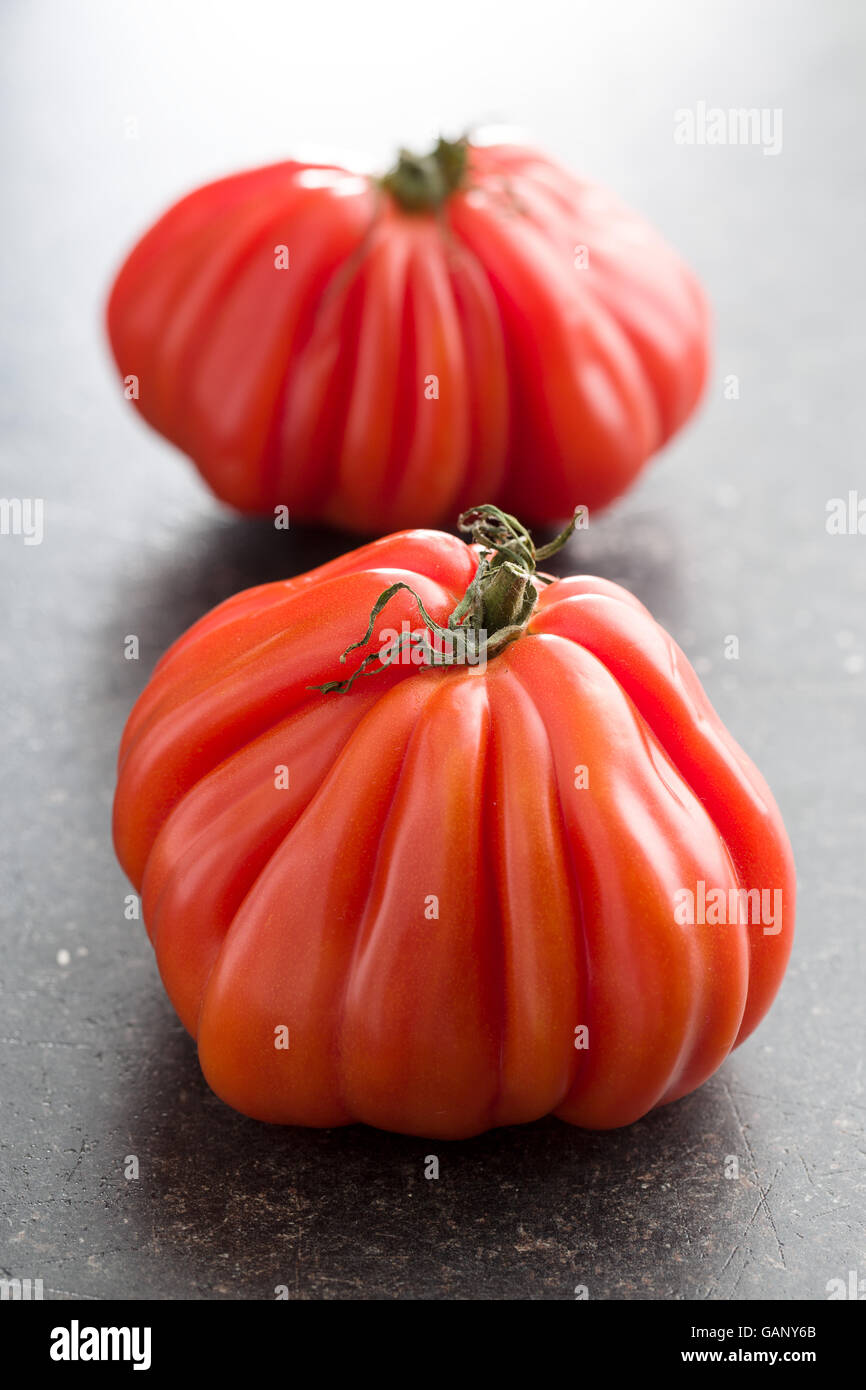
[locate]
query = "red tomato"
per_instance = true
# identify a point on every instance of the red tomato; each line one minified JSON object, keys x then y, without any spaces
{"x":437,"y":879}
{"x":479,"y":323}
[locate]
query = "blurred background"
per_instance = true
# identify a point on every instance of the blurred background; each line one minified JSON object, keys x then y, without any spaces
{"x":110,"y":112}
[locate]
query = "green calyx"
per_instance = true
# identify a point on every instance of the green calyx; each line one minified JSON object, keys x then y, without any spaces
{"x":422,"y":183}
{"x":494,"y":610}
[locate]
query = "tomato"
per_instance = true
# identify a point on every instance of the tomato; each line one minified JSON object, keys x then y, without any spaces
{"x":447,"y":896}
{"x":378,"y":353}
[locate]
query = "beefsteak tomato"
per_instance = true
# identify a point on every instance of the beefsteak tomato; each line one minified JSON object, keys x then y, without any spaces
{"x":450,"y":891}
{"x":379,"y":352}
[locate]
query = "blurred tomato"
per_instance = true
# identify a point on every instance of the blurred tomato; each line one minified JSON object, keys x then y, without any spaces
{"x":377,"y":353}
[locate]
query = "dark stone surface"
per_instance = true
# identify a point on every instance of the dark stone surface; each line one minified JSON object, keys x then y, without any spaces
{"x":725,"y":535}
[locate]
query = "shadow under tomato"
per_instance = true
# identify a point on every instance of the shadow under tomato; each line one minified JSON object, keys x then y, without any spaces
{"x":237,"y":1209}
{"x":182,"y":576}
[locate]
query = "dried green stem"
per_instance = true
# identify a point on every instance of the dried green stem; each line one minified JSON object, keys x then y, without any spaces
{"x":495,"y":608}
{"x":422,"y":183}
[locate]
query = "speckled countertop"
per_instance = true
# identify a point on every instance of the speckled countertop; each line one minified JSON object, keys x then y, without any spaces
{"x":111,"y":112}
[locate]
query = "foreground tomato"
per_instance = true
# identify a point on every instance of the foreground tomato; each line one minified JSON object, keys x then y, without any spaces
{"x":437,"y":878}
{"x":378,"y":353}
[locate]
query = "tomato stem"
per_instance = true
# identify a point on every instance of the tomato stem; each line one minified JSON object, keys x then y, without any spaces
{"x":494,"y":610}
{"x":422,"y":183}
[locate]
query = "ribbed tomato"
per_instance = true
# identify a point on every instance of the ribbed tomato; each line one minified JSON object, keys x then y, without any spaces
{"x":377,"y":353}
{"x":449,"y":897}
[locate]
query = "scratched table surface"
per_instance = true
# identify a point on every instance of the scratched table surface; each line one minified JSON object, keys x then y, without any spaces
{"x":111,"y":112}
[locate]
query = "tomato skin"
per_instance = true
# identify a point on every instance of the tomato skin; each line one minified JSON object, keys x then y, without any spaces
{"x":308,"y":386}
{"x":309,"y":907}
